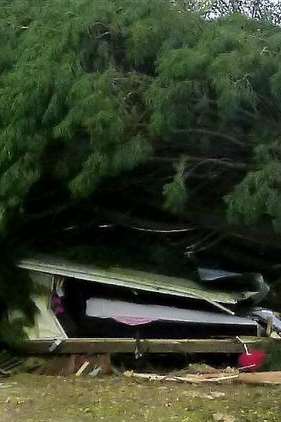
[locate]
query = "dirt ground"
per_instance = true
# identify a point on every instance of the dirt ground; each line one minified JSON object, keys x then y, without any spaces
{"x":29,"y":398}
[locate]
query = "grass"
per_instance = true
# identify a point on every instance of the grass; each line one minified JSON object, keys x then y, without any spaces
{"x":29,"y":398}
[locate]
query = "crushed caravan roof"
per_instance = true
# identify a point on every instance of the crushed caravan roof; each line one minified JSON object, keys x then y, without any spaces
{"x":132,"y":279}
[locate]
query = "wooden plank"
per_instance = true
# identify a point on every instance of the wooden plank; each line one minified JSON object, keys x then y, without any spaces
{"x":106,"y":345}
{"x":82,"y":368}
{"x":260,"y":378}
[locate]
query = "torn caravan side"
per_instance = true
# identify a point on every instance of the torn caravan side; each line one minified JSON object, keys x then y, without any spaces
{"x":82,"y":305}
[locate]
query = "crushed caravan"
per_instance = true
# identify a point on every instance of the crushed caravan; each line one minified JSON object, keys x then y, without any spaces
{"x":85,"y":308}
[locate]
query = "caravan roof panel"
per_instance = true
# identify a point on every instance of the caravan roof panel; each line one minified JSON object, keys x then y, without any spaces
{"x":137,"y":280}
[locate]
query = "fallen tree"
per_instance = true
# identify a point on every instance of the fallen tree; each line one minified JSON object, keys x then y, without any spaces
{"x":140,"y":110}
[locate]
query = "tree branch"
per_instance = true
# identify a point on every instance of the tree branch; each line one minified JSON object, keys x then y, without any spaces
{"x":225,"y":162}
{"x":212,"y":133}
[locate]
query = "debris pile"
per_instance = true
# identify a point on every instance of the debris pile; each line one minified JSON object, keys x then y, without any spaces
{"x":87,"y":302}
{"x":68,"y":365}
{"x":255,"y":378}
{"x":9,"y":364}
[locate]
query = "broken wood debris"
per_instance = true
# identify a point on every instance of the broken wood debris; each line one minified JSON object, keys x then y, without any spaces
{"x":192,"y":379}
{"x":255,"y":378}
{"x":9,"y":364}
{"x":83,"y":368}
{"x":78,"y":365}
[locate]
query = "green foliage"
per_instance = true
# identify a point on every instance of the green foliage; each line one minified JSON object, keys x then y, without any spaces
{"x":94,"y":95}
{"x":257,"y":197}
{"x":175,"y":193}
{"x":15,"y":289}
{"x":101,"y":82}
